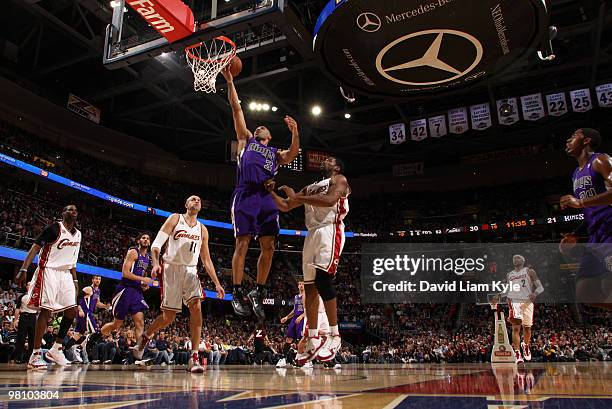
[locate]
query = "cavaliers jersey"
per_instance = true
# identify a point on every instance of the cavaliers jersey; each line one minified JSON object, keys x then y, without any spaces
{"x":256,"y":164}
{"x":323,"y":216}
{"x":140,"y":266}
{"x":184,"y":244}
{"x":298,"y":306}
{"x":519,"y":279}
{"x":588,"y":183}
{"x":59,"y":247}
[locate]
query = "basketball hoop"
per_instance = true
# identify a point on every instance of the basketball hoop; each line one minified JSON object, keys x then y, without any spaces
{"x":207,"y":59}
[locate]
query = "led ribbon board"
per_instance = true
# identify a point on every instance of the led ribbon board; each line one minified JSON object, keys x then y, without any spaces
{"x":121,"y":202}
{"x":405,"y":48}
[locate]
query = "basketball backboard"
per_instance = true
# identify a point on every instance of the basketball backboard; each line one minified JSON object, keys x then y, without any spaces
{"x":251,"y":24}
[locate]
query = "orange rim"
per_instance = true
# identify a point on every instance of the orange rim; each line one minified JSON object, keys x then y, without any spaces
{"x":210,"y":60}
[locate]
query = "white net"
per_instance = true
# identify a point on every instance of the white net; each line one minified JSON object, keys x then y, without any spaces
{"x":207,"y":59}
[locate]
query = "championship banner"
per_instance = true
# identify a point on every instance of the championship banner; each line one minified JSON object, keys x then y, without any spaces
{"x":581,"y":100}
{"x":408,"y":169}
{"x":437,"y":126}
{"x":604,"y":95}
{"x":314,"y":160}
{"x":397,"y":133}
{"x":481,"y":116}
{"x":458,"y":120}
{"x":533,"y":108}
{"x":83,"y":108}
{"x":418,"y":129}
{"x":557,"y":104}
{"x":507,"y":111}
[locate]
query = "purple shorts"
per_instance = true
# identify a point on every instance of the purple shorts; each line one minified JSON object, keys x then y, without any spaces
{"x":86,"y":324}
{"x":128,"y":301}
{"x":254,"y":213}
{"x":295,"y":329}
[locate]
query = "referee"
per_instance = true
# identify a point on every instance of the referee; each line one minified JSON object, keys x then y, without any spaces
{"x":25,"y":321}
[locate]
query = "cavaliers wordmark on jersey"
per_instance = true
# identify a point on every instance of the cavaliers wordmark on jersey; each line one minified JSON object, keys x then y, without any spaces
{"x":184,"y":243}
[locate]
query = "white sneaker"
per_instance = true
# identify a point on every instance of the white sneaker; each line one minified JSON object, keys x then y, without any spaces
{"x":281,"y":363}
{"x":338,"y":366}
{"x":57,"y":356}
{"x":312,"y":347}
{"x":194,"y":364}
{"x":526,"y":351}
{"x":308,"y":365}
{"x":77,"y":355}
{"x":518,"y":357}
{"x":36,"y":361}
{"x":330,"y":348}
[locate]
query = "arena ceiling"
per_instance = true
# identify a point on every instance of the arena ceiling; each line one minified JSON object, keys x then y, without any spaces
{"x":54,"y":47}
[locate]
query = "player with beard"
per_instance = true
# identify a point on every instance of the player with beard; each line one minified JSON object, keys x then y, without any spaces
{"x":325,"y":207}
{"x":54,"y":286}
{"x":592,"y":180}
{"x":179,"y":281}
{"x":253,"y":211}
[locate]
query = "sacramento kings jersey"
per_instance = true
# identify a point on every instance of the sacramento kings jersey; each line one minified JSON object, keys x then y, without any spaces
{"x":519,"y":279}
{"x":588,"y":183}
{"x":256,"y":164}
{"x":323,"y":216}
{"x":139,"y":268}
{"x":184,"y":244}
{"x":88,"y":304}
{"x":298,"y":306}
{"x":61,"y":251}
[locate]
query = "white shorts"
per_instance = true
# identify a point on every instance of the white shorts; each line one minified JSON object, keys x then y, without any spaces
{"x":179,"y":285}
{"x":522,"y":311}
{"x":52,"y":290}
{"x":322,"y":249}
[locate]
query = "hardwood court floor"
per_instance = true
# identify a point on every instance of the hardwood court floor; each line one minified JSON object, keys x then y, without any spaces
{"x":453,"y":386}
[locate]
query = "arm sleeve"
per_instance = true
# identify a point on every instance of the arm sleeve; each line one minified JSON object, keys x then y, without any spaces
{"x":48,"y":235}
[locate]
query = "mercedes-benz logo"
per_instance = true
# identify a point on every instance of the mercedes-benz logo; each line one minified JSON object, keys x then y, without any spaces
{"x":368,"y":22}
{"x":429,"y":58}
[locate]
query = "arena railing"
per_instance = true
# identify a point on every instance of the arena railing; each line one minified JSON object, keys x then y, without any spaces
{"x":122,"y":202}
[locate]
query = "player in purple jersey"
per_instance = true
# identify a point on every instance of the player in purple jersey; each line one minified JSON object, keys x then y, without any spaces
{"x":295,"y":331}
{"x":254,"y":213}
{"x":592,"y":181}
{"x":129,"y":297}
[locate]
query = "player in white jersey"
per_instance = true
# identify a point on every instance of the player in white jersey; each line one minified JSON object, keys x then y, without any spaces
{"x":525,"y":286}
{"x":187,"y":241}
{"x":325,"y":207}
{"x":54,"y":286}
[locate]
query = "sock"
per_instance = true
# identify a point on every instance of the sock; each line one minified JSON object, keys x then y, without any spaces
{"x":261,"y":288}
{"x":334,"y":330}
{"x":71,"y":342}
{"x":313,"y":333}
{"x":237,"y":291}
{"x":56,"y":346}
{"x":65,"y":325}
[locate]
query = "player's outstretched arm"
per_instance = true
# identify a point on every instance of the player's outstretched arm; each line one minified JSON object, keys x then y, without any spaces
{"x":128,"y":263}
{"x":208,"y":264}
{"x":242,"y":132}
{"x":284,"y":205}
{"x":23,"y":271}
{"x":339,"y":187}
{"x":287,"y":156}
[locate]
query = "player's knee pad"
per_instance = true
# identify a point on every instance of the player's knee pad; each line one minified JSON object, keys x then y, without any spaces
{"x":325,"y":285}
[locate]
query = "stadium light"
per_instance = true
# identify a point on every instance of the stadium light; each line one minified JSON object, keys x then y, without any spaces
{"x":265,"y":107}
{"x":253,"y":106}
{"x":258,"y":106}
{"x":316,"y":110}
{"x":274,"y":109}
{"x":347,"y":116}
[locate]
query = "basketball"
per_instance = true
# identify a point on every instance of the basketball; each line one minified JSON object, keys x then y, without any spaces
{"x":235,"y":66}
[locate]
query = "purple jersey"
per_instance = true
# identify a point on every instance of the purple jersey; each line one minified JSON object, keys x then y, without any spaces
{"x":139,"y":268}
{"x":256,"y":164}
{"x":298,"y":306}
{"x":88,"y":304}
{"x":588,"y":183}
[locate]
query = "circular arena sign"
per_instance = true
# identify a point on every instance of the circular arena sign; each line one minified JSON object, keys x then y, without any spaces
{"x":405,"y":48}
